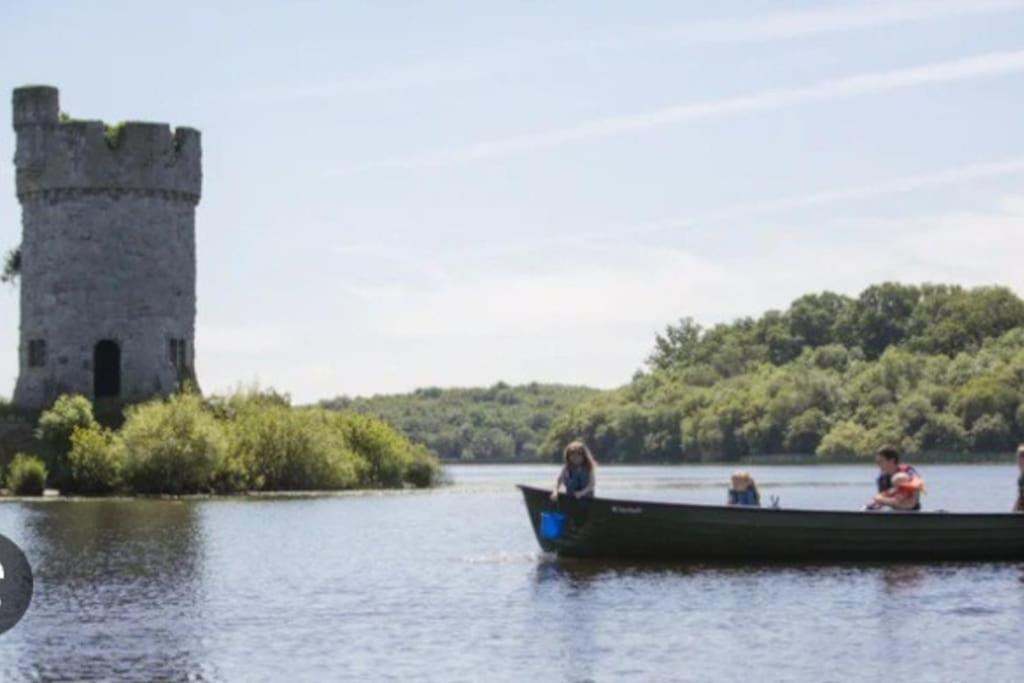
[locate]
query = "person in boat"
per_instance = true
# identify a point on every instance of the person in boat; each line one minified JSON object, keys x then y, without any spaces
{"x":899,"y":486}
{"x":1019,"y":507}
{"x":578,"y":472}
{"x":744,"y":490}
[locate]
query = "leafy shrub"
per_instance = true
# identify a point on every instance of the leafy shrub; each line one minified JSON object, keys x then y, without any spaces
{"x":54,"y":429}
{"x":385,"y":453}
{"x":26,"y":475}
{"x":422,"y":470}
{"x":172,"y":446}
{"x":281,"y":448}
{"x":230,"y":475}
{"x":95,"y":461}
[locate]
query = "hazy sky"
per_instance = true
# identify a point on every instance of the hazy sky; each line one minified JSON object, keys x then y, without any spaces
{"x":408,"y":194}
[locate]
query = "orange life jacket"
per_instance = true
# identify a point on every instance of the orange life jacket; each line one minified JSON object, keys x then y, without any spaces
{"x":909,"y":488}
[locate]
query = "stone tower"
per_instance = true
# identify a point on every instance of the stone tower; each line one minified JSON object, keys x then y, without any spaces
{"x":108,"y":254}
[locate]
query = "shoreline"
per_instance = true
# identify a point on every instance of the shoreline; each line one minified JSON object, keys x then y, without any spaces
{"x":933,"y":458}
{"x":52,"y":496}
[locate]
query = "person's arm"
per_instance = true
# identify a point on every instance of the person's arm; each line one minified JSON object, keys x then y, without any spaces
{"x":898,"y":502}
{"x":591,"y":484}
{"x":558,"y":483}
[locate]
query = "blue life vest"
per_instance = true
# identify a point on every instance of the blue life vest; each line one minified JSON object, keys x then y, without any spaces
{"x":748,"y":497}
{"x":576,"y":479}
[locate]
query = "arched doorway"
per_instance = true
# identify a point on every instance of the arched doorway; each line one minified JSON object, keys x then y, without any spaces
{"x":106,"y":368}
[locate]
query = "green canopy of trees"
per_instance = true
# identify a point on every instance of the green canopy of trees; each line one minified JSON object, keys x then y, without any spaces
{"x":501,"y":422}
{"x":927,"y":368}
{"x":936,"y":368}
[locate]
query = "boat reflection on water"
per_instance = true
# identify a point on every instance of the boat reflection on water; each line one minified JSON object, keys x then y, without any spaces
{"x":580,"y":572}
{"x":897,"y":578}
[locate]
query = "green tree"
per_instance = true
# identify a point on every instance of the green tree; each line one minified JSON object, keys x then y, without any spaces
{"x":806,"y":431}
{"x":943,"y":432}
{"x":95,"y":461}
{"x":813,"y":317}
{"x":677,"y":346}
{"x":845,"y":439}
{"x":987,"y":394}
{"x":879,"y":318}
{"x":991,"y":433}
{"x":56,"y":426}
{"x":172,"y":446}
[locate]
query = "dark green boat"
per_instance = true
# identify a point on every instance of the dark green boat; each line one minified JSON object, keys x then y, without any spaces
{"x":629,"y":529}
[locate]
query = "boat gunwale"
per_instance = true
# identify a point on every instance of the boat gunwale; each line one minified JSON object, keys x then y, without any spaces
{"x":742,"y":509}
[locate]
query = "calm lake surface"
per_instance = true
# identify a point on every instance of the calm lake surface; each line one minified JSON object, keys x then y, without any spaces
{"x":450,"y":585}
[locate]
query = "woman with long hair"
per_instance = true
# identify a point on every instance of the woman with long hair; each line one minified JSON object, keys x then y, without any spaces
{"x":578,"y":472}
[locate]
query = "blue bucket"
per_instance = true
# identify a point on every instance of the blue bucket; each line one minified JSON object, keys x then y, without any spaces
{"x":551,"y":524}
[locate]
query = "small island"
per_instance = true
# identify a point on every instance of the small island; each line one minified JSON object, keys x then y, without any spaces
{"x":250,"y":441}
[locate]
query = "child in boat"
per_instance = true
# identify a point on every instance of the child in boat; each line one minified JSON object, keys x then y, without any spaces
{"x":903,"y":494}
{"x":1019,"y":507}
{"x":744,"y":490}
{"x":578,"y":470}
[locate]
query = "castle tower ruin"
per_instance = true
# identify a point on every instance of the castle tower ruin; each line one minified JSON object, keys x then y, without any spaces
{"x":108,"y":254}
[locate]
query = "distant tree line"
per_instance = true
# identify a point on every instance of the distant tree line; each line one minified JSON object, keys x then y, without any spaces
{"x":501,"y":422}
{"x":936,"y":368}
{"x":928,"y":368}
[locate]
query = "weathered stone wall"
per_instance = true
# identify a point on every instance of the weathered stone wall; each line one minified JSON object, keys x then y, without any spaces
{"x":108,"y":249}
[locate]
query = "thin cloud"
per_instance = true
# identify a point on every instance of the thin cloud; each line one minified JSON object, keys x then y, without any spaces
{"x":356,"y":249}
{"x":982,"y":66}
{"x":766,"y":27}
{"x":955,"y":175}
{"x":788,"y":25}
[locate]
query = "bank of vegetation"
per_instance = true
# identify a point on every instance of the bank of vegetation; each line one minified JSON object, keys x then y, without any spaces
{"x":187,"y":444}
{"x":501,"y":423}
{"x":934,"y":369}
{"x":930,"y":368}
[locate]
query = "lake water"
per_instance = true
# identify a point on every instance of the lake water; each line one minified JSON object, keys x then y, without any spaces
{"x":450,"y":585}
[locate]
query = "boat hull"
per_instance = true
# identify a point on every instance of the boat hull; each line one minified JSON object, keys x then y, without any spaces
{"x":621,"y":529}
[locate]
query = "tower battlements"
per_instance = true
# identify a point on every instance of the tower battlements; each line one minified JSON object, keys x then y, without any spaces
{"x":57,"y":158}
